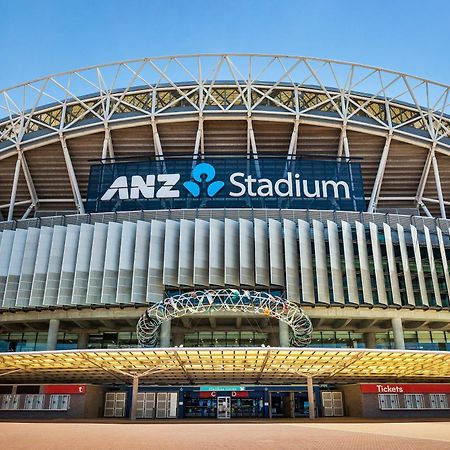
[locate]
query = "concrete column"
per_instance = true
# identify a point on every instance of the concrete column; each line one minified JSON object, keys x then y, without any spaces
{"x":164,"y":336}
{"x":311,"y":398}
{"x":52,"y":338}
{"x":397,"y":328}
{"x":284,"y":334}
{"x":134,"y":397}
{"x":83,"y":340}
{"x":370,"y":340}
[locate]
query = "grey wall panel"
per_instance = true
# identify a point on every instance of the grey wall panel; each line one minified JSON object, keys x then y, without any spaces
{"x":15,"y":268}
{"x":378,"y":264}
{"x":393,"y":275}
{"x":276,"y":255}
{"x":28,"y":264}
{"x":55,"y":265}
{"x":262,"y":264}
{"x":80,"y":282}
{"x":155,"y":285}
{"x":97,"y":265}
{"x":364,"y":263}
{"x":444,"y":260}
{"x":306,"y":262}
{"x":68,"y":265}
{"x":405,"y":266}
{"x":419,"y":268}
{"x":171,"y":253}
{"x":320,"y":252}
{"x":6,"y":246}
{"x":231,"y":253}
{"x":291,"y":252}
{"x":201,"y":253}
{"x":186,"y":253}
{"x":432,"y":265}
{"x":246,"y":252}
{"x":112,"y":255}
{"x":349,"y":258}
{"x":41,"y":267}
{"x":126,"y":261}
{"x":140,"y":265}
{"x":335,"y":263}
{"x":216,"y":252}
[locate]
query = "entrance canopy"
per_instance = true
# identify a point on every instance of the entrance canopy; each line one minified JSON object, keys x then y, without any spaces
{"x":202,"y":366}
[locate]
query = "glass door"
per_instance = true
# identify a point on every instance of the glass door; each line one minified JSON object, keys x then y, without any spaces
{"x":223,"y":407}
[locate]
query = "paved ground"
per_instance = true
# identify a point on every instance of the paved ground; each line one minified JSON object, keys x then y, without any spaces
{"x":226,"y":435}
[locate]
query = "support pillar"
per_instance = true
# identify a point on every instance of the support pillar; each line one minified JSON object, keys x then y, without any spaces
{"x":397,"y":328}
{"x":311,"y":398}
{"x":164,"y":336}
{"x":284,"y":334}
{"x":370,"y":340}
{"x":52,"y":337}
{"x":134,"y":396}
{"x":83,"y":340}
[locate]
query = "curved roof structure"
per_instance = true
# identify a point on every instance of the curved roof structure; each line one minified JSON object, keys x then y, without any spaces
{"x":398,"y":124}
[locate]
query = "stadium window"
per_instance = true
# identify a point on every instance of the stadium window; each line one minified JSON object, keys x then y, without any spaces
{"x":34,"y":401}
{"x":414,"y":401}
{"x":60,"y":402}
{"x":439,"y":401}
{"x":388,"y":401}
{"x":10,"y":401}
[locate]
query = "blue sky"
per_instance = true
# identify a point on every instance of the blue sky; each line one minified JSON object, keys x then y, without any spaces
{"x":46,"y":36}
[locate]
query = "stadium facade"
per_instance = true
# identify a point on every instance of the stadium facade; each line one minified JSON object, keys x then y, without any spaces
{"x":225,"y":236}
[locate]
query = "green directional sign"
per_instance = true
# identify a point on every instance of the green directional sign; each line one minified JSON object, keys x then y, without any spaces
{"x":222,"y":388}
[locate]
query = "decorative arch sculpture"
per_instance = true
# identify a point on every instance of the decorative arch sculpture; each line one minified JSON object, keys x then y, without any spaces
{"x":244,"y":301}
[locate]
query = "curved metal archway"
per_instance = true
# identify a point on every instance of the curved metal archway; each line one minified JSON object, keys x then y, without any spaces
{"x":200,"y":302}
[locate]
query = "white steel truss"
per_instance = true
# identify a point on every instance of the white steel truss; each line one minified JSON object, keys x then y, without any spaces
{"x":232,"y":300}
{"x":220,"y":86}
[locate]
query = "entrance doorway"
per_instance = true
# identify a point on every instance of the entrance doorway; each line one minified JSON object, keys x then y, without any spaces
{"x":281,"y":404}
{"x":223,"y":407}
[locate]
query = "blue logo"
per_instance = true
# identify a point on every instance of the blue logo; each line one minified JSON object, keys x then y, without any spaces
{"x":204,"y":171}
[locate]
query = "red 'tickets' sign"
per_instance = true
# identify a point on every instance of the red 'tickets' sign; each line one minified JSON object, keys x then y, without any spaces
{"x":65,"y":389}
{"x":414,"y":388}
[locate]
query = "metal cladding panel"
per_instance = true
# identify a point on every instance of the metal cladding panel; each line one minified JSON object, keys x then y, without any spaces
{"x":68,"y":265}
{"x":419,"y":268}
{"x":171,"y":253}
{"x":97,"y":266}
{"x":320,"y":252}
{"x":231,"y":253}
{"x":364,"y":263}
{"x":6,"y":246}
{"x":444,"y":261}
{"x":155,"y":286}
{"x":405,"y":266}
{"x":393,"y":275}
{"x":246,"y":253}
{"x":186,"y":253}
{"x":126,"y":260}
{"x":349,"y":257}
{"x":54,"y":265}
{"x":436,"y":290}
{"x":112,"y":255}
{"x":201,"y":253}
{"x":378,"y":264}
{"x":306,"y":262}
{"x":216,"y":252}
{"x":80,"y":281}
{"x":140,"y":265}
{"x":292,"y":261}
{"x":28,"y":264}
{"x":41,"y":267}
{"x":276,"y":255}
{"x":15,"y":267}
{"x":335,"y":263}
{"x":262,"y":274}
